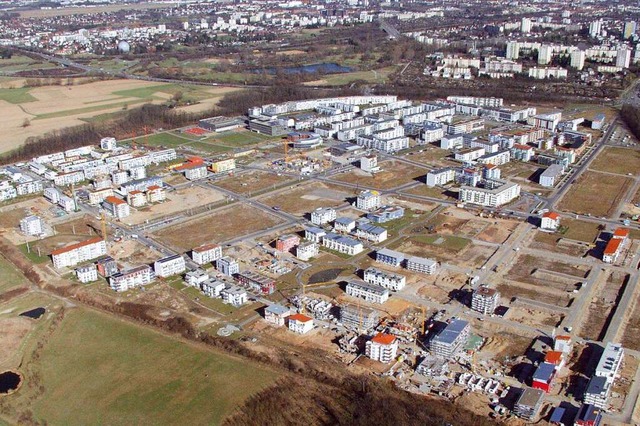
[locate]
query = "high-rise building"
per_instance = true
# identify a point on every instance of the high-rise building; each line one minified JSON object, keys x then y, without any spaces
{"x":629,"y":29}
{"x":595,"y":28}
{"x":623,"y":58}
{"x":525,"y":25}
{"x":513,"y":50}
{"x":544,"y":54}
{"x":577,"y":59}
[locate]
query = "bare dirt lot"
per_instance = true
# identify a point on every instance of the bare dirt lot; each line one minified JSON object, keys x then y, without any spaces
{"x":596,"y":193}
{"x":130,"y":253}
{"x":13,"y":332}
{"x":617,"y":160}
{"x":548,"y":274}
{"x":252,"y":182}
{"x":393,"y":174}
{"x":177,"y":201}
{"x":217,"y":227}
{"x":534,"y":317}
{"x":306,"y":198}
{"x":603,"y":303}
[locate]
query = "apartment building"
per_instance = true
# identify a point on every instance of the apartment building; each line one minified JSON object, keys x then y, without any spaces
{"x":213,"y":288}
{"x":469,"y":155}
{"x":344,"y":224}
{"x":286,"y":243}
{"x":497,"y":158}
{"x":222,"y":166}
{"x":256,"y":282}
{"x":369,"y":232}
{"x":439,"y":177}
{"x":388,"y":280}
{"x":368,"y":200}
{"x":276,"y":314}
{"x":31,"y":225}
{"x":196,"y":277}
{"x":451,"y":340}
{"x":301,"y":324}
{"x":342,"y":244}
{"x":131,"y":278}
{"x":323,"y":215}
{"x":315,"y":235}
{"x":98,"y":196}
{"x":87,"y":274}
{"x":390,"y":257}
{"x":529,"y":403}
{"x":234,"y":295}
{"x":358,"y":317}
{"x":382,"y":347}
{"x":422,"y":265}
{"x":386,"y":214}
{"x":485,"y":300}
{"x":307,"y":250}
{"x":551,"y":175}
{"x":168,"y":266}
{"x":369,"y":292}
{"x":73,"y":254}
{"x":227,"y":266}
{"x":137,"y":199}
{"x":156,"y":194}
{"x":107,"y":266}
{"x":369,"y":163}
{"x":206,"y":253}
{"x":615,"y":245}
{"x":522,"y":152}
{"x":116,"y":207}
{"x":496,"y":196}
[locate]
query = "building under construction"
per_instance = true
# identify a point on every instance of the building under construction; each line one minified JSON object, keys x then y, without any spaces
{"x":358,"y":317}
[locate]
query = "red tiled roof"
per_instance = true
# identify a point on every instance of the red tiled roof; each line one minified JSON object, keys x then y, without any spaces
{"x":205,"y":247}
{"x":552,"y":215}
{"x":613,"y":246}
{"x":114,"y":200}
{"x":384,"y":339}
{"x":553,"y":357}
{"x":300,"y":317}
{"x":76,"y":246}
{"x":621,"y":233}
{"x":523,"y":147}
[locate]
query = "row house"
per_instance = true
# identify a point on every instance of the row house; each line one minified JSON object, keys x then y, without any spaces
{"x":369,"y":232}
{"x":369,"y":292}
{"x":344,"y":225}
{"x":391,"y":281}
{"x":422,"y":265}
{"x":497,"y":158}
{"x":64,"y":179}
{"x":29,"y":187}
{"x":256,"y":282}
{"x":342,"y":244}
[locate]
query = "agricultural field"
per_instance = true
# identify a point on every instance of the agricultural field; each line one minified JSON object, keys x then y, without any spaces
{"x":596,"y":193}
{"x":218,"y":227}
{"x":128,"y":374}
{"x":617,"y":160}
{"x":49,"y":108}
{"x":393,"y":174}
{"x":373,"y":76}
{"x":306,"y":198}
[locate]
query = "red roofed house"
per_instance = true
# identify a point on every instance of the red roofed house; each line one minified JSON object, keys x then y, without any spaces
{"x":116,"y":207}
{"x":615,"y":245}
{"x":556,"y":358}
{"x":156,"y":194}
{"x":522,"y":152}
{"x":299,"y":323}
{"x":80,"y":252}
{"x":382,"y":347}
{"x":550,"y":221}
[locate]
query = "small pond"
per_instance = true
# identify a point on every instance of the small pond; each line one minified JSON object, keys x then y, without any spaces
{"x":9,"y":381}
{"x":34,"y":313}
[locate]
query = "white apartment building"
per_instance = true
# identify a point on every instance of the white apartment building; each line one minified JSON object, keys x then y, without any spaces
{"x":213,"y":288}
{"x":108,"y":144}
{"x":227,"y":266}
{"x":577,"y":59}
{"x":610,"y":361}
{"x":136,"y":199}
{"x":550,"y":72}
{"x":422,"y":265}
{"x":73,"y":254}
{"x":116,"y":207}
{"x":196,"y":277}
{"x":168,"y":266}
{"x":369,"y":163}
{"x":388,"y":280}
{"x":87,"y":274}
{"x":469,"y":155}
{"x":485,"y":300}
{"x":313,"y":234}
{"x":342,"y":244}
{"x":490,"y":197}
{"x":197,"y":172}
{"x":369,"y":292}
{"x":98,"y":196}
{"x":31,"y":225}
{"x":382,"y":347}
{"x":368,"y":200}
{"x":301,"y":324}
{"x":307,"y":250}
{"x":156,"y":194}
{"x":369,"y":232}
{"x":344,"y":224}
{"x":623,"y":57}
{"x":439,"y":177}
{"x":131,"y":278}
{"x":206,"y":253}
{"x":276,"y":314}
{"x":323,"y":215}
{"x":52,"y":195}
{"x":234,"y":295}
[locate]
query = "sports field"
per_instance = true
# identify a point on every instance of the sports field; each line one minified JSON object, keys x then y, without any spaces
{"x":120,"y":373}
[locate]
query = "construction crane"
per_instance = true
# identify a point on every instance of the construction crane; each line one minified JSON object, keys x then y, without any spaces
{"x":103,"y":226}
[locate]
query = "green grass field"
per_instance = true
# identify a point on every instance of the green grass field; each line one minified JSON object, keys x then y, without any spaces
{"x":96,"y":369}
{"x":374,"y":76}
{"x":208,"y":147}
{"x":9,"y":276}
{"x":239,"y":139}
{"x":85,"y":110}
{"x":17,"y":96}
{"x":450,"y":242}
{"x":165,"y":139}
{"x":32,"y":254}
